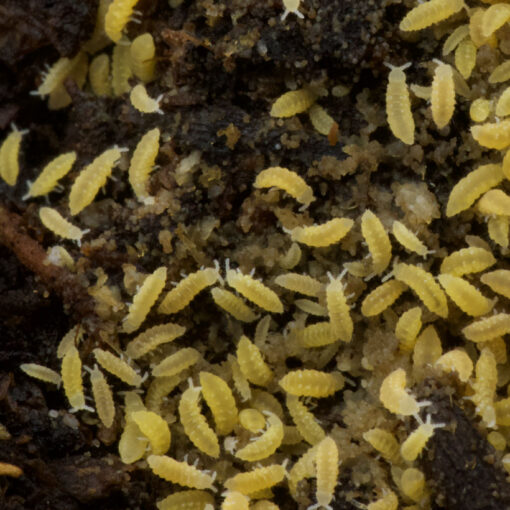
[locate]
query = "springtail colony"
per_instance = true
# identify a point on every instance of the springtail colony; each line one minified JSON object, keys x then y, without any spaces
{"x":309,"y":346}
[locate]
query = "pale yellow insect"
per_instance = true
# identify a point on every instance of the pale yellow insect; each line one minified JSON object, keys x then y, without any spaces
{"x":303,"y":468}
{"x":427,"y":349}
{"x":465,"y":58}
{"x":457,"y":360}
{"x":186,"y":500}
{"x":59,"y":256}
{"x":338,"y":310}
{"x":151,"y":338}
{"x":384,"y":442}
{"x":408,"y":239}
{"x":99,"y":75}
{"x":318,"y":334}
{"x":311,"y":307}
{"x":158,"y":389}
{"x":480,"y":109}
{"x":469,"y":188}
{"x":381,"y":298}
{"x":312,"y":383}
{"x":394,"y":396}
{"x":493,"y":135}
{"x":301,"y":283}
{"x":425,"y":287}
{"x":132,"y":444}
{"x":256,"y":480}
{"x":389,"y":501}
{"x":288,"y":181}
{"x":118,"y":14}
{"x":398,"y":106}
{"x":184,"y":292}
{"x":377,"y":240}
{"x":322,"y":235}
{"x":412,"y":482}
{"x":235,"y":501}
{"x":407,"y":328}
{"x":103,"y":397}
{"x":155,"y":429}
{"x":51,"y":174}
{"x":91,"y":179}
{"x":265,"y":505}
{"x":455,"y":38}
{"x":177,"y":362}
{"x":9,"y":157}
{"x":498,"y":347}
{"x":98,"y":39}
{"x":304,"y":420}
{"x":252,"y":420}
{"x":142,"y":60}
{"x":426,"y":14}
{"x":442,"y":99}
{"x":500,"y":73}
{"x":495,"y":17}
{"x":70,"y":339}
{"x":326,"y":466}
{"x":485,"y":386}
{"x":498,"y":228}
{"x":195,"y":425}
{"x":465,"y":295}
{"x":416,"y":441}
{"x":141,"y":100}
{"x":55,"y":222}
{"x":143,"y":300}
{"x":241,"y":383}
{"x":293,"y":102}
{"x":42,"y":373}
{"x":421,"y":91}
{"x":57,"y":74}
{"x":72,"y":380}
{"x":118,"y":367}
{"x":179,"y":472}
{"x":488,"y":328}
{"x":220,"y":400}
{"x":321,"y":120}
{"x":233,"y":304}
{"x":467,"y":260}
{"x":498,"y":281}
{"x":503,"y":104}
{"x":252,"y":364}
{"x":142,"y":163}
{"x":497,"y":440}
{"x":494,"y":201}
{"x":291,"y":6}
{"x":266,"y":444}
{"x":121,"y":70}
{"x":291,"y":258}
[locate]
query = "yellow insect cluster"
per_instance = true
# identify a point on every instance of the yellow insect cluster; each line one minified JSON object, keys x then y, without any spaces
{"x":236,"y":398}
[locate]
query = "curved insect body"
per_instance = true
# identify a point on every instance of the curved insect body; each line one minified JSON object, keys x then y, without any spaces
{"x":480,"y":109}
{"x":293,"y":102}
{"x":398,"y":106}
{"x":91,"y":179}
{"x":186,"y":500}
{"x":303,"y":468}
{"x":394,"y":396}
{"x":493,"y":135}
{"x":498,"y":281}
{"x":442,"y":99}
{"x":184,"y":292}
{"x":233,"y":304}
{"x":321,"y":120}
{"x":312,"y":383}
{"x":143,"y":161}
{"x":41,"y":372}
{"x":495,"y":17}
{"x":326,"y":466}
{"x":455,"y":38}
{"x":121,"y":69}
{"x":414,"y":444}
{"x":305,"y":421}
{"x":318,"y":334}
{"x":291,"y":258}
{"x":427,"y":349}
{"x":407,"y":328}
{"x":220,"y":400}
{"x":256,"y":480}
{"x":412,"y":482}
{"x":177,"y":362}
{"x":384,"y":442}
{"x":494,"y":201}
{"x":498,"y":228}
{"x":55,"y":222}
{"x":266,"y":444}
{"x":142,"y":60}
{"x":503,"y":104}
{"x":103,"y":397}
{"x":485,"y":386}
{"x":99,"y":75}
{"x":286,"y":180}
{"x":155,"y":429}
{"x":389,"y":501}
{"x":382,"y":297}
{"x":252,"y":420}
{"x":424,"y":285}
{"x":144,"y":299}
{"x":408,"y":240}
{"x":118,"y":367}
{"x":235,"y":501}
{"x":132,"y":443}
{"x":158,"y":389}
{"x":141,"y":100}
{"x":377,"y":240}
{"x":117,"y":16}
{"x":338,"y":310}
{"x":301,"y":283}
{"x":252,"y":364}
{"x":488,"y":328}
{"x":428,"y":13}
{"x":179,"y":472}
{"x":465,"y":57}
{"x":467,"y":260}
{"x":501,"y":73}
{"x":9,"y":156}
{"x":322,"y":235}
{"x":72,"y":380}
{"x":240,"y":381}
{"x":151,"y":338}
{"x":51,"y":174}
{"x":457,"y":360}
